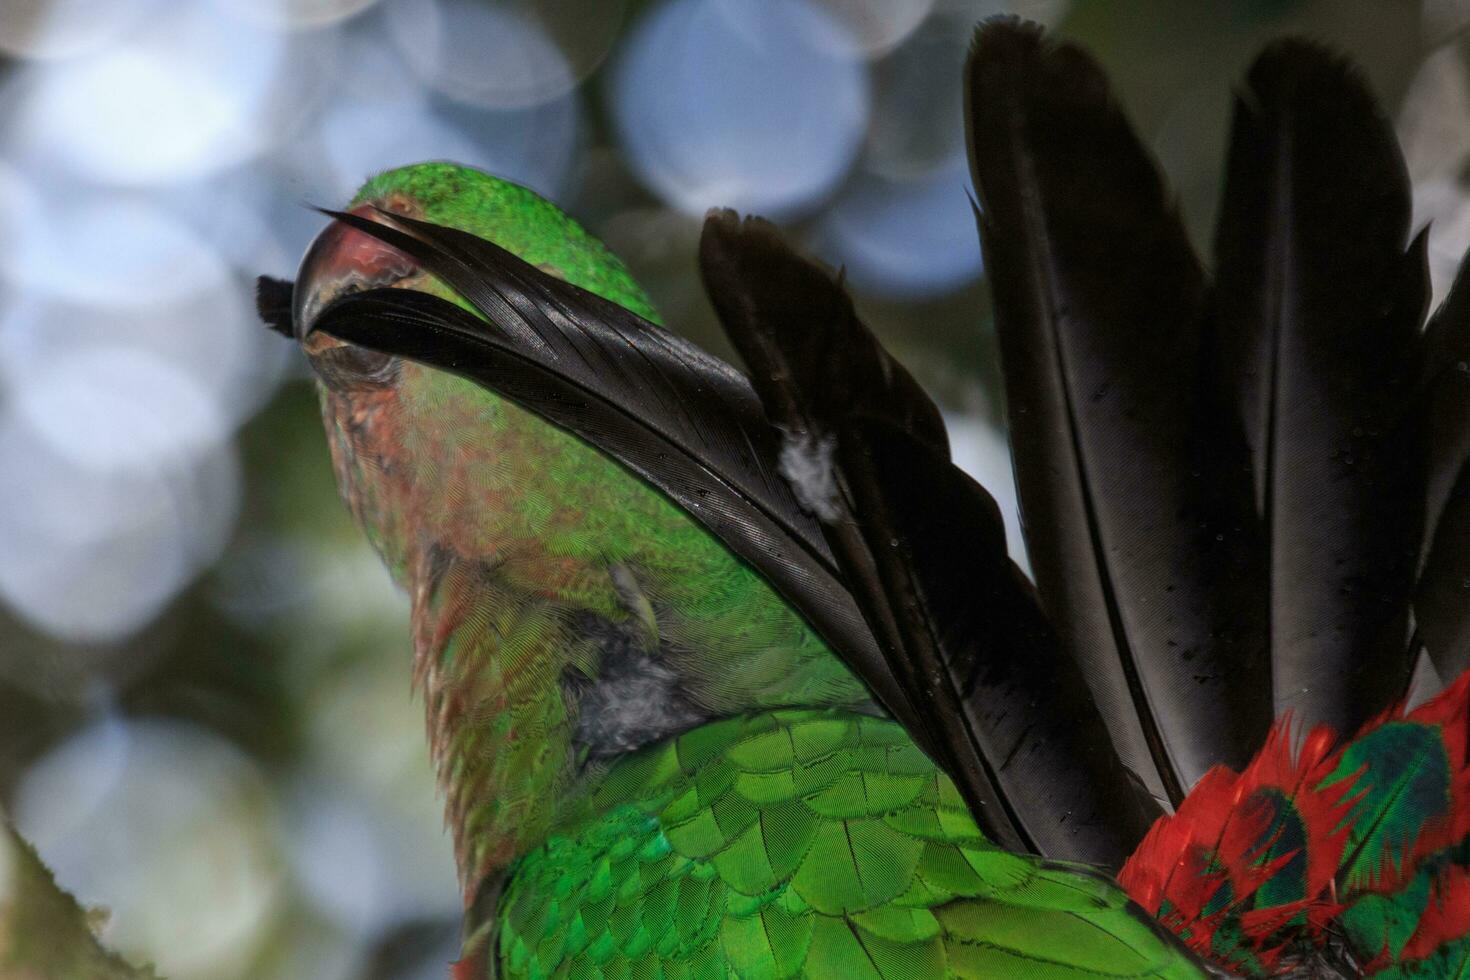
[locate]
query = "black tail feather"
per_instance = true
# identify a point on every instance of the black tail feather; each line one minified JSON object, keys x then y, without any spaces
{"x":1138,"y":525}
{"x":1442,"y":602}
{"x":1319,"y":309}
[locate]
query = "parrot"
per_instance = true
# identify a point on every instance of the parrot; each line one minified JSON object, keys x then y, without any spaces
{"x":730,"y":674}
{"x":625,"y":715}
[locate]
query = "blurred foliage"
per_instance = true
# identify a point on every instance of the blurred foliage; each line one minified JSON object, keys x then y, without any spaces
{"x":44,"y":933}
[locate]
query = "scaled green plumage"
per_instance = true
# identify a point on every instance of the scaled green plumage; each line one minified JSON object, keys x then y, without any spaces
{"x":806,"y":843}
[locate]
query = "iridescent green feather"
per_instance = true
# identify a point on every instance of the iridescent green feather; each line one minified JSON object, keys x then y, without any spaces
{"x":525,"y":549}
{"x":813,"y":843}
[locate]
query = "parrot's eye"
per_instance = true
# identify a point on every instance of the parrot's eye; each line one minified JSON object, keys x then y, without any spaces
{"x":345,"y":366}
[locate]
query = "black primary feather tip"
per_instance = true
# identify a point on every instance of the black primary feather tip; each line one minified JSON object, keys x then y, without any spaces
{"x":273,"y":303}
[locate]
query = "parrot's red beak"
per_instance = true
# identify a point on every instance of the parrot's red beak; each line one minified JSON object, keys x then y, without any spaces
{"x":343,"y":259}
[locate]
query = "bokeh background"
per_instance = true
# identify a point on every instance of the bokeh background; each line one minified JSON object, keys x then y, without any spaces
{"x":205,"y":716}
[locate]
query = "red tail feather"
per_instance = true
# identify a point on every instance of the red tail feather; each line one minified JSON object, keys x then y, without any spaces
{"x":1205,"y":865}
{"x":1249,"y":866}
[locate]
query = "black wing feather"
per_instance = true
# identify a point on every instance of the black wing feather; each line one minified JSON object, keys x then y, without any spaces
{"x":923,"y":547}
{"x":1319,"y":307}
{"x":677,"y":417}
{"x":1442,"y":601}
{"x":1138,"y":522}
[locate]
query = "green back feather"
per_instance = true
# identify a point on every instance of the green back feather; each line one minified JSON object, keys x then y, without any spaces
{"x":812,"y":843}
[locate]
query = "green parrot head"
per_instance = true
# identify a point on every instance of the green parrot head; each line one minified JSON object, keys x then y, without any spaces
{"x":393,"y":424}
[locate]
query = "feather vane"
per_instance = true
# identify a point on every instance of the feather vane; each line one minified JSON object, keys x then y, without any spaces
{"x":1138,"y":522}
